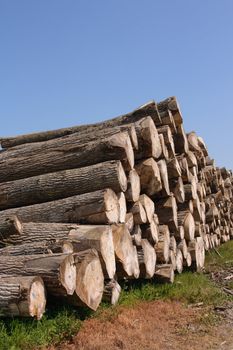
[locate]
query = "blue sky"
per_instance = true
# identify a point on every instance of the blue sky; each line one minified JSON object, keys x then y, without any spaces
{"x":68,"y":62}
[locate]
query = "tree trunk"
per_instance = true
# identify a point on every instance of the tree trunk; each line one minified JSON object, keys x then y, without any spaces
{"x":173,"y":168}
{"x":48,"y":247}
{"x":98,"y":207}
{"x":63,"y":155}
{"x":22,"y":296}
{"x":52,"y":186}
{"x":122,"y":207}
{"x":11,"y":225}
{"x":149,"y":108}
{"x":129,"y":221}
{"x":58,"y":271}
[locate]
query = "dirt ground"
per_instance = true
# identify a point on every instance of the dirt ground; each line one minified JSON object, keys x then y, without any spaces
{"x":157,"y":325}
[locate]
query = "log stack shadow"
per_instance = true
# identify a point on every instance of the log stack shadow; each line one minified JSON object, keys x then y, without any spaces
{"x":86,"y":207}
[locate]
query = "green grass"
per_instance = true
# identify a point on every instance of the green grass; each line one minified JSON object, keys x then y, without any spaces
{"x":188,"y":287}
{"x":61,"y":323}
{"x":222,"y":259}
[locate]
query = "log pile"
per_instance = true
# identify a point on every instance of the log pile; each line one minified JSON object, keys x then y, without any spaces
{"x":83,"y":208}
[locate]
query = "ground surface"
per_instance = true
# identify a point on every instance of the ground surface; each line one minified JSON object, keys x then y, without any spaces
{"x":156,"y":325}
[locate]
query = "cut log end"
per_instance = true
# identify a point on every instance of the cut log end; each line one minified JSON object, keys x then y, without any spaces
{"x":37,"y":299}
{"x":90,"y":280}
{"x":68,"y":274}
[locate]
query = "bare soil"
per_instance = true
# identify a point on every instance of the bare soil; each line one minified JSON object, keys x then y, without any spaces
{"x":157,"y":325}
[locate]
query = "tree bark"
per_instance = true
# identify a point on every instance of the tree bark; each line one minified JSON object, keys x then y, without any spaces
{"x":64,"y":154}
{"x":22,"y":296}
{"x":52,"y":186}
{"x":149,"y":108}
{"x":98,"y":207}
{"x":57,"y":270}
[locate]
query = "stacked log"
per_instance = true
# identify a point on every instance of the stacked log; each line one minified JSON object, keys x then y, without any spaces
{"x":84,"y":208}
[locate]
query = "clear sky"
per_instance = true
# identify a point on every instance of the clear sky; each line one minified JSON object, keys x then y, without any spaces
{"x":68,"y":62}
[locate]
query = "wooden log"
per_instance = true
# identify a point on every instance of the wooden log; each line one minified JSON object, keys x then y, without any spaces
{"x":164,"y":273}
{"x":164,"y":177}
{"x":97,"y":207}
{"x":177,"y":188}
{"x":124,"y":251}
{"x":89,"y":279}
{"x":187,"y":205}
{"x":197,"y":251}
{"x":150,"y":231}
{"x":185,"y":173}
{"x":191,"y":159}
{"x":188,"y":260}
{"x":112,"y":291}
{"x":179,"y":261}
{"x":179,"y":234}
{"x":52,"y":186}
{"x":190,"y":189}
{"x":193,"y":142}
{"x":182,"y":246}
{"x":168,"y":139}
{"x":166,"y":209}
{"x":57,"y":270}
{"x":172,"y":259}
{"x":148,"y":139}
{"x":11,"y":225}
{"x":99,"y":237}
{"x":162,"y":246}
{"x":64,"y":154}
{"x":186,"y":220}
{"x":48,"y":247}
{"x":149,"y":108}
{"x":122,"y":207}
{"x":173,"y":168}
{"x":164,"y":154}
{"x":146,"y":259}
{"x":167,"y":119}
{"x":129,"y":221}
{"x":149,"y":174}
{"x":22,"y":296}
{"x":136,"y":235}
{"x":134,"y":187}
{"x":181,"y":141}
{"x":148,"y":206}
{"x":139,"y":214}
{"x":172,"y":105}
